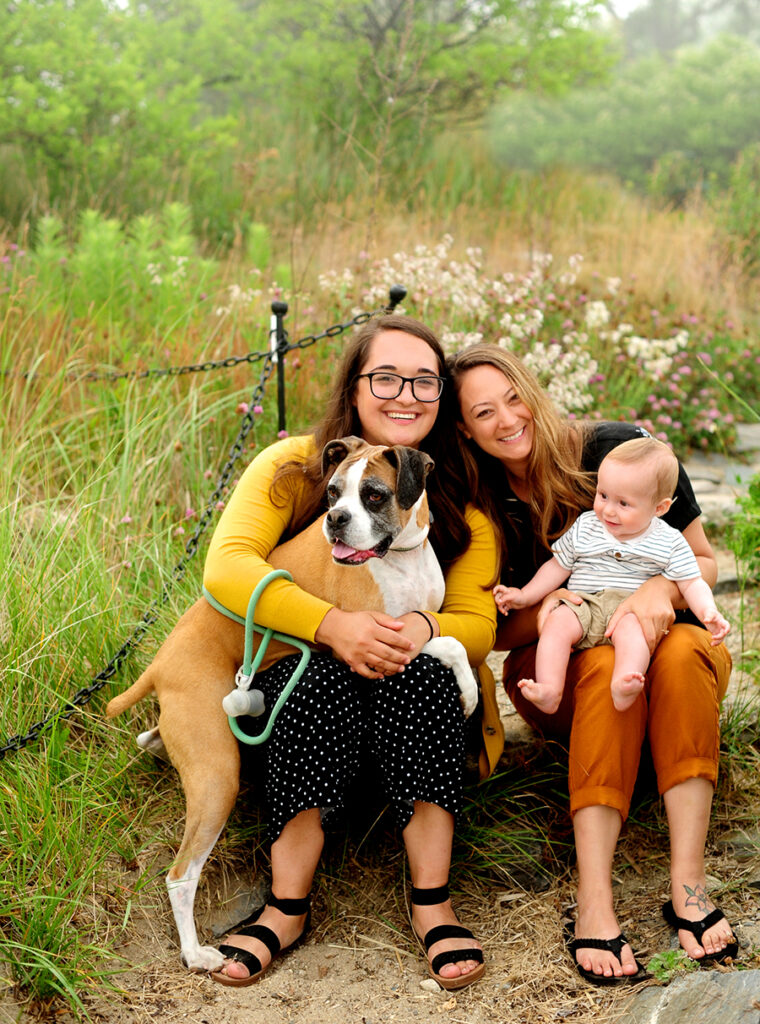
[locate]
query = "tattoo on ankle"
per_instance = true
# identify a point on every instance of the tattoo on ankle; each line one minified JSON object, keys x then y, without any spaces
{"x":697,"y":897}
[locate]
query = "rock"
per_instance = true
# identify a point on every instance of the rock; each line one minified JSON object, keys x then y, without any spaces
{"x":239,"y":904}
{"x":430,"y":985}
{"x":748,"y":437}
{"x":706,"y":998}
{"x":744,"y":844}
{"x":718,"y":508}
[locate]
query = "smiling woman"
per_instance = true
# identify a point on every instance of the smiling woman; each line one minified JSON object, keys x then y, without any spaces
{"x":397,"y":391}
{"x":497,"y":419}
{"x":533,"y":473}
{"x":368,"y":692}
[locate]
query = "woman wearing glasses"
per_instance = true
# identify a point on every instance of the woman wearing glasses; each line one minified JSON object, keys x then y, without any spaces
{"x":369,"y":692}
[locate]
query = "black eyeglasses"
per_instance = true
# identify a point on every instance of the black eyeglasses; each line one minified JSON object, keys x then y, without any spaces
{"x":390,"y":385}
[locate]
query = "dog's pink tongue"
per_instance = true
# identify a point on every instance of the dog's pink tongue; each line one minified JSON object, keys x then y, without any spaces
{"x":344,"y":553}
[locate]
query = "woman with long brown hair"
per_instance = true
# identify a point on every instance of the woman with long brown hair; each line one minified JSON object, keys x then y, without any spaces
{"x":369,"y":690}
{"x":533,"y":472}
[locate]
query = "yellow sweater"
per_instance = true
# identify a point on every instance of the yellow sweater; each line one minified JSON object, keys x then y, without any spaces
{"x":252,"y":525}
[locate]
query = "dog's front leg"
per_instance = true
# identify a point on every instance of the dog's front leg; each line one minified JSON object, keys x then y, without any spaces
{"x":451,"y":653}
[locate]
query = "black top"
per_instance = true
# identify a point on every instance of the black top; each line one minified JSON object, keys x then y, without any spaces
{"x":526,"y":554}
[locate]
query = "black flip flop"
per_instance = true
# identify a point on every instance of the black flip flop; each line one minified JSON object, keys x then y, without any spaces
{"x":614,"y":946}
{"x":698,"y":929}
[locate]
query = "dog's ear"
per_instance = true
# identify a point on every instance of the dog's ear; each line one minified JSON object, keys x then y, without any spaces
{"x":337,"y":450}
{"x":412,"y":468}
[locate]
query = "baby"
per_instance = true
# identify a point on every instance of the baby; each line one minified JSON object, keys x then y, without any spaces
{"x":607,"y":554}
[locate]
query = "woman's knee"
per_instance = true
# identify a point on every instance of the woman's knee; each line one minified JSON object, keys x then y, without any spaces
{"x":686,"y":667}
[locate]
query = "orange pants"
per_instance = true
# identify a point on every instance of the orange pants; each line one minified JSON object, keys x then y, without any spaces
{"x":679,"y":709}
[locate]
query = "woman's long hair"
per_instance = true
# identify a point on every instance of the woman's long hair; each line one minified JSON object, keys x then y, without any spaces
{"x":449,"y":532}
{"x":559,"y":489}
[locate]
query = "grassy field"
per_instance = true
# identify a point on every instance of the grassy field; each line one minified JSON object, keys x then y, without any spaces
{"x":105,"y":480}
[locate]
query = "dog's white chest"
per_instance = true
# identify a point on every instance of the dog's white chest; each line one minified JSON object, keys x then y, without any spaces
{"x":409,"y":580}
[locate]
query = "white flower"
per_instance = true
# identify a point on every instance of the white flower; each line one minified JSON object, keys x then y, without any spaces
{"x":597,"y":315}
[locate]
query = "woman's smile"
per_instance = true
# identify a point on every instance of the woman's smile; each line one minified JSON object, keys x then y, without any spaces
{"x":513,"y":437}
{"x":404,"y":419}
{"x":495,"y":416}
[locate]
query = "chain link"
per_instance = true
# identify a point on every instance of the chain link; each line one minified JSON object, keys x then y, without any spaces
{"x":82,"y":696}
{"x":227,"y":363}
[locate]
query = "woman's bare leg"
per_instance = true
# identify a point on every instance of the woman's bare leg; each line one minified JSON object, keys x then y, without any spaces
{"x":295,"y":855}
{"x":596,"y":831}
{"x":688,"y":809}
{"x":428,"y":838}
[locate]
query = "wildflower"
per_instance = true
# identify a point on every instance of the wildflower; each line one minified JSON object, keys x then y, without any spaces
{"x":258,"y":409}
{"x":178,"y":531}
{"x":189,"y":513}
{"x":126,"y":519}
{"x":207,"y":474}
{"x":282,"y":433}
{"x":597,"y":315}
{"x":242,"y":408}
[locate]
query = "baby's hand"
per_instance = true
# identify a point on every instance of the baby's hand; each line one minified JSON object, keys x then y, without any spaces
{"x":717,"y":625}
{"x":508,"y":597}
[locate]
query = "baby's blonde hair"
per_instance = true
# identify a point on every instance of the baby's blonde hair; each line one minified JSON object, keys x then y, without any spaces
{"x":659,"y":459}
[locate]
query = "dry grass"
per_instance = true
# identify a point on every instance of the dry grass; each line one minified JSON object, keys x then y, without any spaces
{"x":676,"y":259}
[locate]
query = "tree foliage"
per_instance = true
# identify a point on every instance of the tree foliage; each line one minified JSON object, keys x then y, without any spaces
{"x":124,"y":105}
{"x":666,"y":125}
{"x":666,"y":25}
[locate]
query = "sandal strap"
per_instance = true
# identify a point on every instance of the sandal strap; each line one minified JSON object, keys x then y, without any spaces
{"x":446,"y":931}
{"x":263,"y":934}
{"x":614,"y":946}
{"x":454,"y":956}
{"x":292,"y":908}
{"x":430,"y":897}
{"x":697,"y":928}
{"x":242,"y":956}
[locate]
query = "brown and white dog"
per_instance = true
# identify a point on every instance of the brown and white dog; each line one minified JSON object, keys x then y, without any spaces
{"x":377,"y":558}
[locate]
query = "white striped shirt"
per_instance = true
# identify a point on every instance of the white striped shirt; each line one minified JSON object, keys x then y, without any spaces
{"x":598,"y":561}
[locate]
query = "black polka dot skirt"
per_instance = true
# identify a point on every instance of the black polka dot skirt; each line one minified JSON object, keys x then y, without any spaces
{"x":411,"y":725}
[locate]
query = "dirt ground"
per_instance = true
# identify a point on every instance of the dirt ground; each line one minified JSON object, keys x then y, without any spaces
{"x":361,"y":964}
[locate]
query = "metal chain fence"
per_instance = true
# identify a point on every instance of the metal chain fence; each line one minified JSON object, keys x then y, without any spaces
{"x":273,"y":358}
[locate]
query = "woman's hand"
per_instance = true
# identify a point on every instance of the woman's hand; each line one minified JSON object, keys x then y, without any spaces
{"x":552,"y":601}
{"x":652,"y":604}
{"x":370,"y":643}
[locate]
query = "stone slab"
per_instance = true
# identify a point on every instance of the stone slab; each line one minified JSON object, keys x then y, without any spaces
{"x":709,"y":997}
{"x":748,"y":437}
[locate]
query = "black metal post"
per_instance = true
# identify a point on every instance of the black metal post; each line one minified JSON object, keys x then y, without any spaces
{"x":396,"y":295}
{"x":278,"y":343}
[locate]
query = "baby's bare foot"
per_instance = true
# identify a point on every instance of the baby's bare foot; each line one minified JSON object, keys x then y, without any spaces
{"x":625,"y":689}
{"x":545,"y":696}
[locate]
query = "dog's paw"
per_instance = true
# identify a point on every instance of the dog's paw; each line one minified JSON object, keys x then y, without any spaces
{"x":451,"y":653}
{"x":203,"y":958}
{"x":469,"y":695}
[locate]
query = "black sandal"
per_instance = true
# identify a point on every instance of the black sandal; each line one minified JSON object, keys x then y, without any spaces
{"x":293,"y":908}
{"x":698,"y":929}
{"x":430,"y":897}
{"x":614,"y":946}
